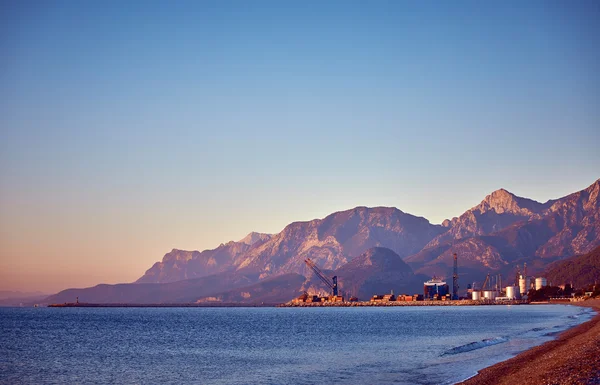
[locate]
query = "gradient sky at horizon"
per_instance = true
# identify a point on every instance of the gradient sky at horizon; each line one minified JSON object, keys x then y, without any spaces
{"x":131,"y":128}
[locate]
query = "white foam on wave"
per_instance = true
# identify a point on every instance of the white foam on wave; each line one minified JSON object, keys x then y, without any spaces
{"x":476,"y":345}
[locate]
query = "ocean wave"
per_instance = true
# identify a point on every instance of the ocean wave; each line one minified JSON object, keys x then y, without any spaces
{"x":537,"y":329}
{"x":552,"y":334}
{"x":476,"y":345}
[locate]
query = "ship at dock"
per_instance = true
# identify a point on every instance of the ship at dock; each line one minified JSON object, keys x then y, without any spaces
{"x":435,"y":288}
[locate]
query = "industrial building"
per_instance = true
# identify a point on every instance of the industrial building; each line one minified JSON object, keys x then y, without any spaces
{"x":383,"y":298}
{"x":306,"y":298}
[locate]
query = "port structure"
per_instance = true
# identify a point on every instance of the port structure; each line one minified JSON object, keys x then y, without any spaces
{"x":487,"y":280}
{"x":455,"y":278}
{"x":332,"y":284}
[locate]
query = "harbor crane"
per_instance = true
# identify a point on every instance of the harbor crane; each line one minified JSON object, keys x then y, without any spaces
{"x":332,"y":284}
{"x":487,"y":279}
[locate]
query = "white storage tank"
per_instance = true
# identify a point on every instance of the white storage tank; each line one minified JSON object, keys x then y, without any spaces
{"x":524,"y":285}
{"x":476,"y":295}
{"x":489,"y":294}
{"x":512,"y":292}
{"x":539,"y":283}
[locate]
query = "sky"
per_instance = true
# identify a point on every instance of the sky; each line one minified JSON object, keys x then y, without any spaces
{"x":128,"y":129}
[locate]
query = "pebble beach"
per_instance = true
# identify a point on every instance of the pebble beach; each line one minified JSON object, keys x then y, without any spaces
{"x":572,"y":359}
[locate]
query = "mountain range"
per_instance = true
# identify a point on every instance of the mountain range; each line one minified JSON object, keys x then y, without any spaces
{"x":371,"y":250}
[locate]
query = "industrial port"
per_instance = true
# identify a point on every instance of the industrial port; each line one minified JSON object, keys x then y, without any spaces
{"x":436,"y":292}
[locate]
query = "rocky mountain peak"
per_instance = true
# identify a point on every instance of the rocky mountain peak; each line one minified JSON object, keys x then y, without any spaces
{"x":496,"y":211}
{"x":178,"y":255}
{"x":594,"y":191}
{"x":503,"y":201}
{"x":255,"y":237}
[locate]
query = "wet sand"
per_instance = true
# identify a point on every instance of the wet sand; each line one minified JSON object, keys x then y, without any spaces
{"x":573,"y":359}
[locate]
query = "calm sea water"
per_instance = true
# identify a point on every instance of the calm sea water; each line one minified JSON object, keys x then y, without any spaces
{"x":394,"y":345}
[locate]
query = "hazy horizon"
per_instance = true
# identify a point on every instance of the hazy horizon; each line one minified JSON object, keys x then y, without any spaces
{"x":129,"y":130}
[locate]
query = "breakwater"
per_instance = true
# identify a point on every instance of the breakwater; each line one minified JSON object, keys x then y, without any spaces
{"x":203,"y":304}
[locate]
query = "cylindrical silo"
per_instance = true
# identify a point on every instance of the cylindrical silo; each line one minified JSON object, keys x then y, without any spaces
{"x":524,"y":285}
{"x":489,"y":294}
{"x":512,"y":292}
{"x":476,"y":295}
{"x":540,"y":282}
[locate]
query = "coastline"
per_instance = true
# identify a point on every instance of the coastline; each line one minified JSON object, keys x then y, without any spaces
{"x":573,"y":358}
{"x":306,"y":304}
{"x":461,"y":302}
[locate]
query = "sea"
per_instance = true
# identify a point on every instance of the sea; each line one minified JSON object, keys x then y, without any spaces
{"x":357,"y":345}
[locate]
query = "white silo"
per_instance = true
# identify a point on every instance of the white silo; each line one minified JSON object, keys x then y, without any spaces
{"x":512,"y":292}
{"x":476,"y":295}
{"x":540,"y":282}
{"x":489,"y":294}
{"x":524,"y":284}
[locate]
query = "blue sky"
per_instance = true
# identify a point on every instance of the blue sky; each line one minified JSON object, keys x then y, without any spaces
{"x":130,"y":129}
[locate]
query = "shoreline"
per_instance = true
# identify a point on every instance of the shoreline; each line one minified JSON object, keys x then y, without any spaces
{"x":462,"y":302}
{"x":304,"y":304}
{"x":572,"y":358}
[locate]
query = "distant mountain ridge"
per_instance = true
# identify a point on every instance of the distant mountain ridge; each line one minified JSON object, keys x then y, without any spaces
{"x":338,"y":238}
{"x":505,"y":230}
{"x":330,"y":242}
{"x":502,"y":231}
{"x":178,"y":265}
{"x":497,"y":211}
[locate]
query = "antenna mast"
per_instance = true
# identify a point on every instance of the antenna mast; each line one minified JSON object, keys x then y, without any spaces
{"x":455,"y":278}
